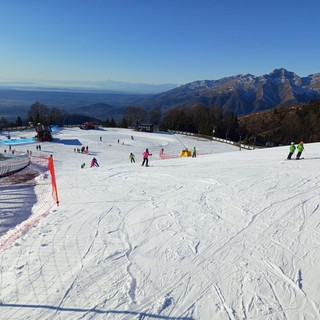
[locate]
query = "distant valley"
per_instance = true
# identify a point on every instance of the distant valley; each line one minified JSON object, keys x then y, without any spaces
{"x":243,"y":94}
{"x":18,"y":102}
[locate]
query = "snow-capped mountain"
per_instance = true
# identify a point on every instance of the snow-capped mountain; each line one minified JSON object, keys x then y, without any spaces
{"x":245,"y":93}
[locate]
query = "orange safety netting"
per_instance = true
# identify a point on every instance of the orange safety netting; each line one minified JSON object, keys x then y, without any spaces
{"x":25,"y":198}
{"x":53,"y":180}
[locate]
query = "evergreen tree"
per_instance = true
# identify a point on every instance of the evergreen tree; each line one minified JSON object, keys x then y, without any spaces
{"x":113,"y":123}
{"x":124,"y":123}
{"x":4,"y":123}
{"x":18,"y":122}
{"x":106,"y":123}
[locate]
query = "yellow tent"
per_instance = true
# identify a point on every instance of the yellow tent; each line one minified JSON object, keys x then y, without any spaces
{"x":185,"y":153}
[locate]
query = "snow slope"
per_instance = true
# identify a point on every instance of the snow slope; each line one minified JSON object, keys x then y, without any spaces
{"x":226,"y":235}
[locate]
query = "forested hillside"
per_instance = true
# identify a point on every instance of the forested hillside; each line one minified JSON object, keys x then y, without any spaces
{"x":279,"y":125}
{"x":283,"y":125}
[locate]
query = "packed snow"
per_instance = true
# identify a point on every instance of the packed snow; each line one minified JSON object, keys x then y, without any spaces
{"x":227,"y":235}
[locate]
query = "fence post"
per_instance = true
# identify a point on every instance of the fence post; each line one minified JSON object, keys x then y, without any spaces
{"x":53,"y":180}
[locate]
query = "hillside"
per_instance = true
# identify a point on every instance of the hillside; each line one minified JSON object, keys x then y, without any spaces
{"x":283,"y":125}
{"x":226,"y":235}
{"x":244,"y":94}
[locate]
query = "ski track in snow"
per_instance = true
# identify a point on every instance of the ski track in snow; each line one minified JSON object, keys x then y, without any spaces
{"x":205,"y":245}
{"x":252,"y":224}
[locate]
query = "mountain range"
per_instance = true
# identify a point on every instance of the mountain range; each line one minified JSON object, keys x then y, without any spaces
{"x":245,"y":93}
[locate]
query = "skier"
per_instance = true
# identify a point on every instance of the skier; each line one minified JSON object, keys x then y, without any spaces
{"x":131,"y":157}
{"x":194,"y":152}
{"x":300,"y":148}
{"x":291,"y":150}
{"x":94,"y":163}
{"x":146,"y":154}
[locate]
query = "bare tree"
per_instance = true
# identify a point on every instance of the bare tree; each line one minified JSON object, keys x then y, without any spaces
{"x":201,"y":119}
{"x":155,"y":115}
{"x":134,"y":115}
{"x":39,"y":113}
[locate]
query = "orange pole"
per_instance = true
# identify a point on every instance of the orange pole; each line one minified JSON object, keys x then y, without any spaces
{"x":53,"y":180}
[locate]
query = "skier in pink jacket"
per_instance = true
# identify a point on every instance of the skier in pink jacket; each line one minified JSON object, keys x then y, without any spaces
{"x":146,"y":154}
{"x":94,"y":163}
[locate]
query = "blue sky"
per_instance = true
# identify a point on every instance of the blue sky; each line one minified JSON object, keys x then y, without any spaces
{"x":156,"y":41}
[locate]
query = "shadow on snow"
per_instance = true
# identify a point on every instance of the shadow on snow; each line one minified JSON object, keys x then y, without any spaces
{"x":98,"y":311}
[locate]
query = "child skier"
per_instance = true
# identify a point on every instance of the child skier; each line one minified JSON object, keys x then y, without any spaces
{"x":131,"y":157}
{"x":94,"y":163}
{"x":291,"y":150}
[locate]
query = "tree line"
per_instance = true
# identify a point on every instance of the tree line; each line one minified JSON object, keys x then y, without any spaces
{"x":199,"y":119}
{"x":283,"y":125}
{"x":280,"y":125}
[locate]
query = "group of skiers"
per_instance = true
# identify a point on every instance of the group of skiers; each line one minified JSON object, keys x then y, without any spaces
{"x":94,"y":163}
{"x":293,"y":148}
{"x":146,"y":154}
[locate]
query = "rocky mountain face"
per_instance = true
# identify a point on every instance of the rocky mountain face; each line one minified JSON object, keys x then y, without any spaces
{"x":244,"y":94}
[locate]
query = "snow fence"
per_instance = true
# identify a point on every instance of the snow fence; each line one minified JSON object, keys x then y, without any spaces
{"x":12,"y":163}
{"x":26,"y":197}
